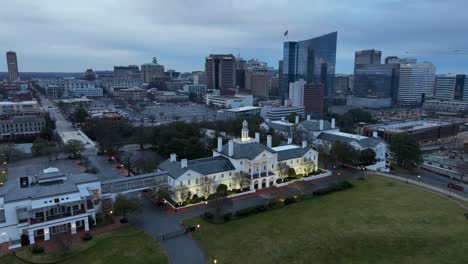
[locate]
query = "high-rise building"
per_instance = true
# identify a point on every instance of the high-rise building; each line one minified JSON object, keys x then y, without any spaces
{"x":257,"y":82}
{"x":12,"y":63}
{"x":220,"y":71}
{"x":90,"y":75}
{"x":199,"y":78}
{"x":365,"y":57}
{"x":280,"y":79}
{"x":445,"y":86}
{"x":152,"y":69}
{"x":314,"y":102}
{"x":296,"y":93}
{"x":451,"y":87}
{"x":130,"y":71}
{"x":416,"y":82}
{"x":341,"y":85}
{"x":312,"y":60}
{"x":375,"y":80}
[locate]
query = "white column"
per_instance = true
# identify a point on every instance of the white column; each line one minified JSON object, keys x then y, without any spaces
{"x":46,"y":233}
{"x":73,"y":227}
{"x":86,"y":224}
{"x":31,"y":236}
{"x":94,"y":217}
{"x":251,"y":170}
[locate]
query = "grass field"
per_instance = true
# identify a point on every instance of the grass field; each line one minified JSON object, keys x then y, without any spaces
{"x":126,"y":245}
{"x":378,"y":221}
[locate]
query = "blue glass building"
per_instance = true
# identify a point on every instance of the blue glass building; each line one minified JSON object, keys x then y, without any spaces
{"x":312,"y":60}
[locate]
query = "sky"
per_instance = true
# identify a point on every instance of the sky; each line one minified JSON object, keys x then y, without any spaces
{"x":71,"y":36}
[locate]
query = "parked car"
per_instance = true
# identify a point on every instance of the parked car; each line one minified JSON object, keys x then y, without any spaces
{"x":455,"y":187}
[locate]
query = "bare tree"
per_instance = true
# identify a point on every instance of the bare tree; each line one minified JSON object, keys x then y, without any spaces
{"x":308,"y":167}
{"x":182,"y":193}
{"x":241,"y":179}
{"x":462,"y":168}
{"x":207,"y":185}
{"x":283,"y":170}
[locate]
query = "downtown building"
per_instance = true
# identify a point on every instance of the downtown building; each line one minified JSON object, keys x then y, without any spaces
{"x":416,"y":83}
{"x":220,"y":72}
{"x":152,"y":69}
{"x":12,"y":63}
{"x":312,"y":60}
{"x":451,"y":87}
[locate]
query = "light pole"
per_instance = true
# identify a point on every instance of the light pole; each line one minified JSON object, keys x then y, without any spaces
{"x":419,"y":177}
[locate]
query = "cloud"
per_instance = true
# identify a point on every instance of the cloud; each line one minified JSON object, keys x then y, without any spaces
{"x":52,"y":35}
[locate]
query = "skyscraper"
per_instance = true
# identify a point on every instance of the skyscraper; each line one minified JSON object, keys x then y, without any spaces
{"x":375,"y":80}
{"x":461,"y":88}
{"x":152,"y":69}
{"x":220,"y":71}
{"x":257,"y":82}
{"x":445,"y":86}
{"x":312,"y":60}
{"x":12,"y":63}
{"x":314,"y":99}
{"x":296,"y":93}
{"x":365,"y":57}
{"x":416,"y":82}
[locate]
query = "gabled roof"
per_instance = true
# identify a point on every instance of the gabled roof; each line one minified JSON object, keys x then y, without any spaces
{"x":288,"y":152}
{"x":246,"y":150}
{"x":203,"y":166}
{"x":314,"y":125}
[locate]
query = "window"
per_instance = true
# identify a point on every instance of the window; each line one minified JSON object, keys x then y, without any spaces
{"x":2,"y":216}
{"x":196,"y":181}
{"x":222,"y":175}
{"x":56,"y":200}
{"x":188,"y":182}
{"x":76,"y":207}
{"x":241,"y":162}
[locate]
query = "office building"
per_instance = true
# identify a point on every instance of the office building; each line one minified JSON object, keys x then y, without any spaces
{"x":152,"y":69}
{"x":21,"y":127}
{"x":199,"y":77}
{"x":445,"y":86}
{"x":130,"y":71}
{"x":314,"y":99}
{"x":416,"y":82}
{"x":450,"y":106}
{"x":19,"y":108}
{"x":257,"y":82}
{"x":89,"y":75}
{"x":12,"y":63}
{"x":220,"y":71}
{"x":132,"y":94}
{"x":366,"y":57}
{"x":229,"y":101}
{"x":281,"y":112}
{"x":199,"y":89}
{"x":461,"y":87}
{"x":296,"y":93}
{"x":312,"y":60}
{"x":341,"y":85}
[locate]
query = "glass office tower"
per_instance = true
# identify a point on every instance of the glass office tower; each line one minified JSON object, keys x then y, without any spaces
{"x":312,"y":60}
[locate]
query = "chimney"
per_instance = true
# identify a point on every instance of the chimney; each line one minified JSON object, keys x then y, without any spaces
{"x":304,"y":144}
{"x":289,"y":140}
{"x":283,"y":118}
{"x":333,"y":123}
{"x":308,"y":117}
{"x":173,"y":157}
{"x":296,"y":120}
{"x":220,"y":144}
{"x":183,"y":163}
{"x":269,"y":141}
{"x":257,"y":137}
{"x":268,"y":120}
{"x":321,"y":124}
{"x":374,"y":134}
{"x":230,"y":148}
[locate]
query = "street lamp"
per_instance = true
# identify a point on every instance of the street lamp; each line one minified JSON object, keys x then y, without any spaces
{"x":215,"y":261}
{"x":419,"y":177}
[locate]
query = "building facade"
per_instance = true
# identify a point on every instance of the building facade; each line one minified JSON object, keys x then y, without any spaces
{"x":220,"y":71}
{"x":314,"y":95}
{"x":152,"y":69}
{"x":296,"y":93}
{"x":312,"y":60}
{"x":451,"y":106}
{"x":342,"y":85}
{"x":257,"y":82}
{"x":445,"y":86}
{"x":12,"y":63}
{"x":416,"y":82}
{"x":243,"y":155}
{"x":17,"y":127}
{"x":224,"y":101}
{"x":366,"y":57}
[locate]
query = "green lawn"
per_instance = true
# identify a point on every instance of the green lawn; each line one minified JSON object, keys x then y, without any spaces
{"x":378,"y":221}
{"x":126,"y":245}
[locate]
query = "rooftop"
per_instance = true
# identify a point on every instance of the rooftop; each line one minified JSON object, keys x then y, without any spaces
{"x":408,"y":125}
{"x":203,"y":166}
{"x":242,"y":109}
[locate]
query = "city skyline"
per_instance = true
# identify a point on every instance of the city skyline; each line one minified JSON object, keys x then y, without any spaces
{"x":75,"y":37}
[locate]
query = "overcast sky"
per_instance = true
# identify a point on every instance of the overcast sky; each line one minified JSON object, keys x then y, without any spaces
{"x":58,"y":35}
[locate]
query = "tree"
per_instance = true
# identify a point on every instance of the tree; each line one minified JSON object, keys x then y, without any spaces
{"x":207,"y":185}
{"x":241,"y":179}
{"x":283,"y":170}
{"x":367,"y":157}
{"x":41,"y":147}
{"x":74,"y":148}
{"x":182,"y":193}
{"x":406,"y":150}
{"x":344,"y":153}
{"x":124,"y":206}
{"x":8,"y":152}
{"x":222,"y":189}
{"x":80,"y":115}
{"x":324,"y":156}
{"x":308,"y":168}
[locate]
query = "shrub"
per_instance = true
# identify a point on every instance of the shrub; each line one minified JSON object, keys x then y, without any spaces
{"x":37,"y":249}
{"x":244,"y":212}
{"x":291,"y":173}
{"x":274,"y":204}
{"x":227,"y":217}
{"x":334,"y":188}
{"x":87,"y":237}
{"x":209,"y":215}
{"x":290,"y":200}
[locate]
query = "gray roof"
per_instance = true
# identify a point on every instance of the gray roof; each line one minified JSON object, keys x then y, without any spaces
{"x":314,"y":125}
{"x":24,"y":119}
{"x":246,"y":150}
{"x":203,"y":166}
{"x":13,"y":192}
{"x":368,"y":142}
{"x":291,"y":153}
{"x":279,"y":127}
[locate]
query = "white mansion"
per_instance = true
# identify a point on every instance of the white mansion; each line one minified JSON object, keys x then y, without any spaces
{"x":245,"y":155}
